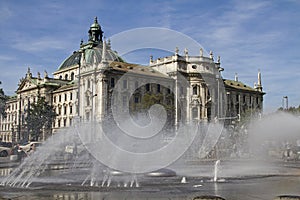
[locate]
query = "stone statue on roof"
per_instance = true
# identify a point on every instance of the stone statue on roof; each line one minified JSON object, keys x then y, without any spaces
{"x":45,"y":74}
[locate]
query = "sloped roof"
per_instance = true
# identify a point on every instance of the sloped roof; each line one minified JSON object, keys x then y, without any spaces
{"x":136,"y":69}
{"x":238,"y":85}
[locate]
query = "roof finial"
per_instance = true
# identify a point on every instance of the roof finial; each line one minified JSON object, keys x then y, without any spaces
{"x":236,"y":78}
{"x":259,"y":85}
{"x":201,"y":52}
{"x":151,"y":59}
{"x":96,"y":20}
{"x":108,"y":43}
{"x":39,"y":75}
{"x":176,"y":51}
{"x":28,"y":75}
{"x":186,"y":52}
{"x":104,"y":51}
{"x":45,"y":74}
{"x":219,"y":59}
{"x":211,"y":55}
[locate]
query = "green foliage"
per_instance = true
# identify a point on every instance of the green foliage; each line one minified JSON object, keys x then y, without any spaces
{"x":3,"y":99}
{"x":246,"y":117}
{"x":150,"y":99}
{"x":40,"y":115}
{"x":292,"y":110}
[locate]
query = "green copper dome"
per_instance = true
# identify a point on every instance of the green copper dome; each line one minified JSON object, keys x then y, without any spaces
{"x":91,"y":55}
{"x":93,"y":49}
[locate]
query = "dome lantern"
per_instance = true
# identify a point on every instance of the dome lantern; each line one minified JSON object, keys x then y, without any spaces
{"x":95,"y":32}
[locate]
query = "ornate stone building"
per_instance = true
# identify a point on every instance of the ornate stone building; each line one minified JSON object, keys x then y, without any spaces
{"x":84,"y":84}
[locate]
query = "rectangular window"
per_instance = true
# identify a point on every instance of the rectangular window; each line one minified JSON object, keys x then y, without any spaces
{"x":112,"y":82}
{"x":158,"y":88}
{"x":71,"y":96}
{"x":59,"y":98}
{"x":124,"y":101}
{"x":66,"y":97}
{"x":136,"y":99}
{"x":147,"y":87}
{"x":71,"y":109}
{"x":124,"y":84}
{"x":65,"y":122}
{"x":88,"y":83}
{"x":195,"y":90}
{"x":54,"y":99}
{"x":65,"y":110}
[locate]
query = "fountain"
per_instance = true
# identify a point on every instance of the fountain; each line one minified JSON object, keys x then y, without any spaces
{"x":262,"y":174}
{"x":216,"y":169}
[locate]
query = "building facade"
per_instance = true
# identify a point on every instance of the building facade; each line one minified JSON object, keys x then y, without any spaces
{"x":90,"y":83}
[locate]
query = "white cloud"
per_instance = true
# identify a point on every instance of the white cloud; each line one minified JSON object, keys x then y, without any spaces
{"x":40,"y":44}
{"x":5,"y":13}
{"x":6,"y":58}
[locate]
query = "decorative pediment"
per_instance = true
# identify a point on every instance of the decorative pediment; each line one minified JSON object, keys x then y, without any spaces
{"x":26,"y":84}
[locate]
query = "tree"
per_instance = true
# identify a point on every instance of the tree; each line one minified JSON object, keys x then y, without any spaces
{"x":3,"y":99}
{"x":40,"y":115}
{"x":292,"y":110}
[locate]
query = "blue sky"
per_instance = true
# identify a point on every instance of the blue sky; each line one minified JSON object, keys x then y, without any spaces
{"x":248,"y":35}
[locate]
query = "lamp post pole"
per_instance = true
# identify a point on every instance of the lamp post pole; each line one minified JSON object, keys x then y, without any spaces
{"x":78,"y":89}
{"x":287,"y":103}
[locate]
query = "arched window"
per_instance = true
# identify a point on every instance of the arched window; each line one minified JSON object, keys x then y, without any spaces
{"x":60,"y":77}
{"x":72,"y":76}
{"x":66,"y":77}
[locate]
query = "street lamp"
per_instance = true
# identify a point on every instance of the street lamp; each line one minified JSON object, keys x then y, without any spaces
{"x":286,"y":100}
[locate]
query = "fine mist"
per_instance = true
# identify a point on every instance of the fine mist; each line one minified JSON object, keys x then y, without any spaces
{"x":273,"y":133}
